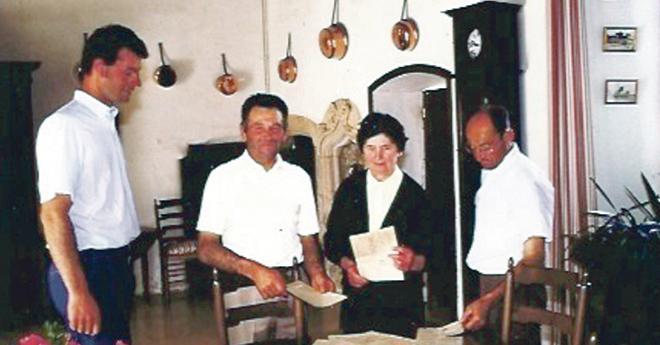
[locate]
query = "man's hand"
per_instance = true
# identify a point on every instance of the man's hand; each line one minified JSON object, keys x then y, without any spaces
{"x":83,"y":314}
{"x":321,"y":282}
{"x":350,"y":269}
{"x":269,"y":282}
{"x":476,"y":314}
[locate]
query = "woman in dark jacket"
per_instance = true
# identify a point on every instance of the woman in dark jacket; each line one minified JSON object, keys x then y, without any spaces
{"x":369,"y":200}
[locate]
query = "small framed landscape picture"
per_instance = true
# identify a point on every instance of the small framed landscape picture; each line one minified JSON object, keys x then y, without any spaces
{"x":619,"y":39}
{"x":621,"y":91}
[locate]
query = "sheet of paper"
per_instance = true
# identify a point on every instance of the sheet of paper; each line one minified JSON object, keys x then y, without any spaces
{"x":372,"y":252}
{"x":453,"y":328}
{"x":440,"y":335}
{"x":313,"y":297}
{"x":369,"y":338}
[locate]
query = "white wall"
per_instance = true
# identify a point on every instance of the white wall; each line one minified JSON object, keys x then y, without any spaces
{"x":159,"y":123}
{"x":626,"y":137}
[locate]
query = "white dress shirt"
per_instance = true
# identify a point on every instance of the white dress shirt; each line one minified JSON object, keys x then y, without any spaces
{"x":260,"y":214}
{"x":515,"y":202}
{"x":79,"y":154}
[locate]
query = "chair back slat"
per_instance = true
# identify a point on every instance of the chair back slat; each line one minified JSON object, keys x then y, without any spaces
{"x":228,"y":316}
{"x":563,"y":322}
{"x":570,"y":322}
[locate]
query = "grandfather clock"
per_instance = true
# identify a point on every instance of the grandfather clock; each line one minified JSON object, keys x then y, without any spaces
{"x":486,"y":57}
{"x":487,"y":68}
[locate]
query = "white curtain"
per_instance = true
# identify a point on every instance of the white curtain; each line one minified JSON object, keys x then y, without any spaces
{"x":572,"y":162}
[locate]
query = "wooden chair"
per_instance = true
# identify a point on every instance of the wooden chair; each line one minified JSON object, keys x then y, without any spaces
{"x":140,"y":250}
{"x":231,"y":316}
{"x":571,"y":322}
{"x":175,"y":248}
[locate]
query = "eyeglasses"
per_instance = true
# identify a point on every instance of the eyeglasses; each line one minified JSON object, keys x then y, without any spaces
{"x":484,"y":148}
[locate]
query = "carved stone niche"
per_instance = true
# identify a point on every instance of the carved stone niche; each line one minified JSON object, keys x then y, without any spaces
{"x":336,"y":150}
{"x":337,"y":155}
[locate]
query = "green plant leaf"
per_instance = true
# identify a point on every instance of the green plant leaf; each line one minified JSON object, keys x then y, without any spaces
{"x":638,"y":204}
{"x":653,"y":198}
{"x":602,"y":192}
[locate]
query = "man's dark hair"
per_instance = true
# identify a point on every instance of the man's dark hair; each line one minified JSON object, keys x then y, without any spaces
{"x":378,"y":123}
{"x":498,"y":114}
{"x":264,"y":100}
{"x":105,"y":43}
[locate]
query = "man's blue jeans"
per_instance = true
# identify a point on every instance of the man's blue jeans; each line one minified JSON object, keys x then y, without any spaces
{"x":111,"y":281}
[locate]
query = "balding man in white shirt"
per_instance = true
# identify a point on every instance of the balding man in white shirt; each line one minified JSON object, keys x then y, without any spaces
{"x":514,"y":210}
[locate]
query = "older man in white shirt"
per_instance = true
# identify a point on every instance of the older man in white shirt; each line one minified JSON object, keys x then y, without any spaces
{"x":514,"y":209}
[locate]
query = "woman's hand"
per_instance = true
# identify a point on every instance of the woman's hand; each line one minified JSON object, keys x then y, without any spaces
{"x":407,"y":260}
{"x":352,"y":275}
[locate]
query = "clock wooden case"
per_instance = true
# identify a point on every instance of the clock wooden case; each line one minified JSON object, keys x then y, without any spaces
{"x":486,"y":57}
{"x":486,"y":67}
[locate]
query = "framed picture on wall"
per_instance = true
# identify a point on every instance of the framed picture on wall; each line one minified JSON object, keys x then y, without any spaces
{"x":619,"y":39}
{"x":621,"y":91}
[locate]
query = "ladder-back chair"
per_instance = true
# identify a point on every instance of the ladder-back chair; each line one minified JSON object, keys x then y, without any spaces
{"x":570,"y":321}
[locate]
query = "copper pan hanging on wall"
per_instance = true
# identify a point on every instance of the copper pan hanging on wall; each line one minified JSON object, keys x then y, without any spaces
{"x":288,"y":69}
{"x":164,"y":75}
{"x":333,"y":40}
{"x":226,"y":83}
{"x":405,"y":32}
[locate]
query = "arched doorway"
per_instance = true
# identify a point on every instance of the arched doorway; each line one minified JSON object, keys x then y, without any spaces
{"x":420,"y":97}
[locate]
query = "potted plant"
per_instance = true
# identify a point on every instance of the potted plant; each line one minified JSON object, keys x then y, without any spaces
{"x":622,"y":258}
{"x":52,"y":333}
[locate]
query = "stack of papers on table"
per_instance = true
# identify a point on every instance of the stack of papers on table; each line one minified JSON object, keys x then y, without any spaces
{"x":445,"y":335}
{"x":367,"y":338}
{"x":425,"y":336}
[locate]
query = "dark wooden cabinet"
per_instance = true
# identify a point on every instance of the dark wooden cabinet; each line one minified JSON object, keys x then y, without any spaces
{"x":21,"y":246}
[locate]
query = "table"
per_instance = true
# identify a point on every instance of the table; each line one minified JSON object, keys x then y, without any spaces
{"x":485,"y":337}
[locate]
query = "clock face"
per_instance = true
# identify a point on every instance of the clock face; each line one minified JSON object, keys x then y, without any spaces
{"x":474,"y":44}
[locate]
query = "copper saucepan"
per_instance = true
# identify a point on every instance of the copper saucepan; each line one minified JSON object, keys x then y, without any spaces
{"x":288,"y":69}
{"x":333,"y":40}
{"x":405,"y":32}
{"x":164,"y":75}
{"x":226,"y":83}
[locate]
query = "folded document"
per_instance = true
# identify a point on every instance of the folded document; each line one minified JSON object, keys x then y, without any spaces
{"x":312,"y":296}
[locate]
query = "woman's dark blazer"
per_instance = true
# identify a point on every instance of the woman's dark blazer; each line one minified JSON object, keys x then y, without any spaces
{"x":410,"y":214}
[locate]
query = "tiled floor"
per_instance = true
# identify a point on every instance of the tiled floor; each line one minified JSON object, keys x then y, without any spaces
{"x":185,"y":321}
{"x":190,"y":321}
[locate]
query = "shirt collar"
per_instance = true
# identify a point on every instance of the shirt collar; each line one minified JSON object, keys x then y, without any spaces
{"x":508,"y":160}
{"x":96,"y":106}
{"x":395,"y":178}
{"x":252,"y":164}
